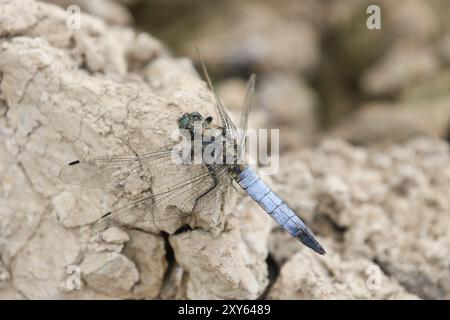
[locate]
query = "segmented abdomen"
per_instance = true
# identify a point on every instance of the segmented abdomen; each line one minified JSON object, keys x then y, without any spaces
{"x":276,"y":207}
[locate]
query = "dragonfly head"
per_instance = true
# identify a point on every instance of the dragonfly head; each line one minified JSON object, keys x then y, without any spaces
{"x":190,"y":121}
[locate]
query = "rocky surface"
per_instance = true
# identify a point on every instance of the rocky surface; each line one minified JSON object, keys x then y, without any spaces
{"x":112,"y":11}
{"x":378,"y":123}
{"x":385,"y":208}
{"x":68,"y":94}
{"x":306,"y":277}
{"x":254,"y":38}
{"x":381,"y":212}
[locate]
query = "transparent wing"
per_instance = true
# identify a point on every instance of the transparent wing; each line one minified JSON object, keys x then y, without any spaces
{"x":170,"y":190}
{"x":200,"y":189}
{"x":248,"y":102}
{"x":226,"y":120}
{"x":128,"y":172}
{"x":248,"y":105}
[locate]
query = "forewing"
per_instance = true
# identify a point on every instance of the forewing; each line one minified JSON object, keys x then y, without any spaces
{"x":225,"y":118}
{"x":118,"y":172}
{"x":164,"y":201}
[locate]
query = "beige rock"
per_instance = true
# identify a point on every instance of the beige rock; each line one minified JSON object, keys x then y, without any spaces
{"x":419,"y":23}
{"x":107,"y":90}
{"x":59,"y":102}
{"x":21,"y":207}
{"x":444,"y":48}
{"x":308,"y":276}
{"x":39,"y":267}
{"x":165,"y":72}
{"x":282,"y":246}
{"x":112,"y":11}
{"x":148,"y":253}
{"x":384,"y":205}
{"x":9,"y":293}
{"x":231,"y":265}
{"x":82,"y":101}
{"x":403,"y":65}
{"x":253,"y":41}
{"x":115,"y":235}
{"x":4,"y":276}
{"x":288,"y":104}
{"x":231,"y":92}
{"x":68,"y":95}
{"x":384,"y":122}
{"x":109,"y":273}
{"x":360,"y":65}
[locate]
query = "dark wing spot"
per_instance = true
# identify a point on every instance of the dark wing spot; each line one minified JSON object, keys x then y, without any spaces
{"x":105,"y":215}
{"x":74,"y":162}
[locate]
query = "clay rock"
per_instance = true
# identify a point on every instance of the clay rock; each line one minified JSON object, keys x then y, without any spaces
{"x":62,"y":100}
{"x":289,"y":104}
{"x":444,"y":48}
{"x":397,"y":122}
{"x":231,"y":91}
{"x":69,"y":94}
{"x":148,"y":253}
{"x":420,"y":23}
{"x":39,"y":269}
{"x":283,"y":102}
{"x":106,"y":90}
{"x":115,"y":235}
{"x":4,"y":275}
{"x":21,"y":207}
{"x":109,"y":273}
{"x":386,"y":205}
{"x":307,"y":276}
{"x":230,"y":265}
{"x":261,"y":39}
{"x":405,"y":64}
{"x":112,"y":11}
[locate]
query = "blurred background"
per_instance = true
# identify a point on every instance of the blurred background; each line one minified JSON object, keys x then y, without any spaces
{"x":320,"y":70}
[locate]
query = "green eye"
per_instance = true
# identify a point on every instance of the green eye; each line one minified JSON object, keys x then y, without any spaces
{"x":183,"y":122}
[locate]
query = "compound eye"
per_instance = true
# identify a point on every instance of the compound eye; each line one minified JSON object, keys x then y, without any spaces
{"x":183,"y":121}
{"x":196,"y":115}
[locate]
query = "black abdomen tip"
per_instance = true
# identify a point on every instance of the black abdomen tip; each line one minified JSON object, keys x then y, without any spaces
{"x":74,"y":162}
{"x":320,"y":250}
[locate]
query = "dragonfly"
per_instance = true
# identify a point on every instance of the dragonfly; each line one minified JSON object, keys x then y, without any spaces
{"x":173,"y":188}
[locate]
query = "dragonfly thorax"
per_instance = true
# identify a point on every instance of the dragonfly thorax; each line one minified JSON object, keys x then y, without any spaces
{"x":217,"y":148}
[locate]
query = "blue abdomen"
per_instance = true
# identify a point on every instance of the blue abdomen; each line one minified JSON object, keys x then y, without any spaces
{"x":276,"y":207}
